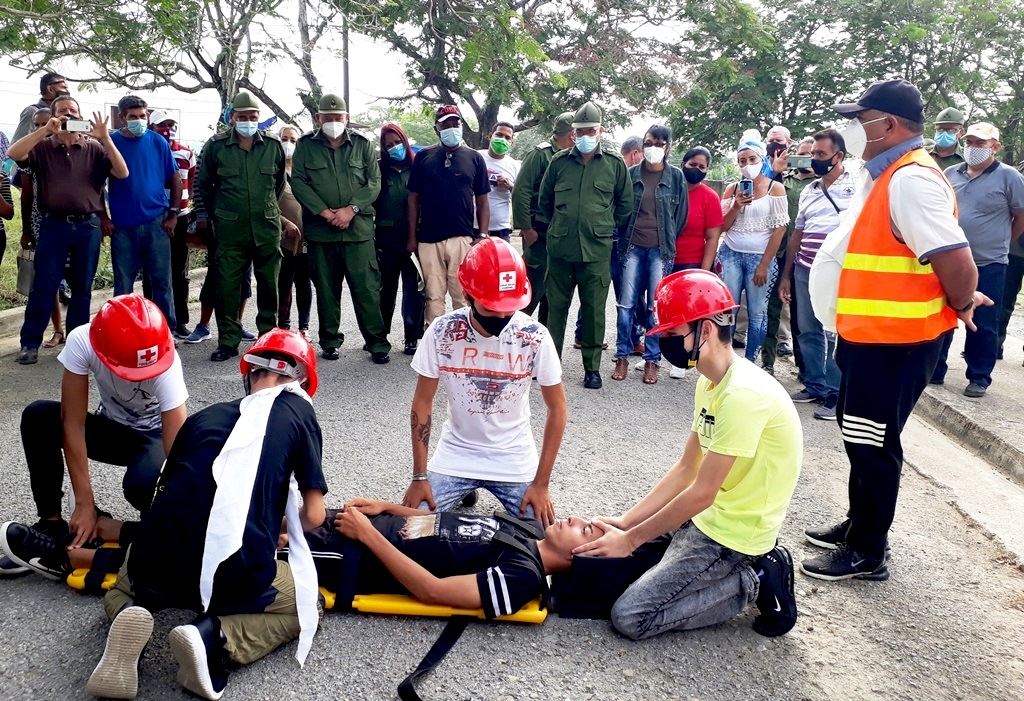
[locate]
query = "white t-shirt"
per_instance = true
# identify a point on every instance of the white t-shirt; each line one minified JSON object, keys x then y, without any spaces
{"x":135,"y":404}
{"x":500,"y":200}
{"x":487,"y":433}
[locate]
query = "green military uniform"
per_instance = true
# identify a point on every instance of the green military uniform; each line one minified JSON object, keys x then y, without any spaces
{"x":525,"y":213}
{"x":324,"y":177}
{"x":794,"y":186}
{"x":240,"y":189}
{"x":950,"y":115}
{"x":953,"y":159}
{"x":583,"y":203}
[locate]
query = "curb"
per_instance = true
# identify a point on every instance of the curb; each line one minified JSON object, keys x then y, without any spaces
{"x":969,"y":432}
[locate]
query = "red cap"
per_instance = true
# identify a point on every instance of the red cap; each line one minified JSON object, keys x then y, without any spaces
{"x":687,"y":296}
{"x":494,"y":274}
{"x":445,"y":112}
{"x":289,"y":343}
{"x":130,"y":336}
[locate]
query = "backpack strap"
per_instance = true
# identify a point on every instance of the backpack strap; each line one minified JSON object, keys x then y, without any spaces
{"x":453,"y":630}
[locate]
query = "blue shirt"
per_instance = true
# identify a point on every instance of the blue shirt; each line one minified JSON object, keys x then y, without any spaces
{"x":140,"y":198}
{"x":987,"y":203}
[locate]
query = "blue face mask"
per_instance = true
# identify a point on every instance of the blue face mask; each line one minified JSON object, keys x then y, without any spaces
{"x":945,"y":139}
{"x":586,"y":144}
{"x":246,"y":128}
{"x":397,"y":152}
{"x":136,"y":126}
{"x":451,"y":137}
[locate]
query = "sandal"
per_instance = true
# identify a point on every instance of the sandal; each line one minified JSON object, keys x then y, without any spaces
{"x":650,"y":373}
{"x":621,"y":369}
{"x":56,"y":339}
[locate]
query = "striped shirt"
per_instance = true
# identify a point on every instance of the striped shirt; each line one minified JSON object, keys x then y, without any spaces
{"x":817,"y":217}
{"x":185,"y":158}
{"x":5,"y":192}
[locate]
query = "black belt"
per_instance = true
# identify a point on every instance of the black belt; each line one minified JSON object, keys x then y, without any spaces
{"x":70,"y":218}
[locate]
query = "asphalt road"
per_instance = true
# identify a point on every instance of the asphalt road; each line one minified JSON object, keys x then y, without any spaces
{"x":949,"y":624}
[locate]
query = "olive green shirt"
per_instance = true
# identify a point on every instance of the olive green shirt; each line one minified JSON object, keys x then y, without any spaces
{"x":332,"y":178}
{"x":527,"y":188}
{"x":240,"y":188}
{"x":584,"y":203}
{"x":953,"y":159}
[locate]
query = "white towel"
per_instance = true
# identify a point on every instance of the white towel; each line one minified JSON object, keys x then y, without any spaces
{"x":234,"y":471}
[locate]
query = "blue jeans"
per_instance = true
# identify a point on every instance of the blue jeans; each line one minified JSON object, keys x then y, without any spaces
{"x":642,"y":269}
{"x":145,"y":247}
{"x":981,"y":346}
{"x":58,"y":238}
{"x":449,"y":491}
{"x":817,"y":346}
{"x":640,"y":310}
{"x":738,"y":273}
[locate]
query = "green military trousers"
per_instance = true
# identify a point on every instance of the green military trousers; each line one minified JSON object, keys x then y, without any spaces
{"x":233,"y":260}
{"x":354,"y":262}
{"x":536,"y":257}
{"x":593,"y":281}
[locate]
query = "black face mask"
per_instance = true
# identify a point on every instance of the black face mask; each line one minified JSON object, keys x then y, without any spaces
{"x":493,"y":325}
{"x":673,"y":348}
{"x":824,"y":166}
{"x":693,"y":175}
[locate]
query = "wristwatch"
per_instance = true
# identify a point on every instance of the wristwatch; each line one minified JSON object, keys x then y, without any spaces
{"x":967,"y":307}
{"x":174,"y":210}
{"x":355,"y":208}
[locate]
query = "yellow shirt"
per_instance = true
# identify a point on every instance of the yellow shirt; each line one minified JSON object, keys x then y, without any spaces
{"x":748,"y":415}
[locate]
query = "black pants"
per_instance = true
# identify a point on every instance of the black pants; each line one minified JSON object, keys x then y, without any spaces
{"x":294,"y":270}
{"x":880,"y":386}
{"x":981,"y":347}
{"x":179,"y":272}
{"x":106,"y":441}
{"x":395,"y":266}
{"x":771,"y":341}
{"x":1011,"y":288}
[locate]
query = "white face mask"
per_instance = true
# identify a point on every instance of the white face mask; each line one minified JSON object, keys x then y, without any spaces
{"x":751,"y":171}
{"x":289,"y":149}
{"x":654,"y":154}
{"x":334,"y":130}
{"x":856,"y":138}
{"x":976,"y":155}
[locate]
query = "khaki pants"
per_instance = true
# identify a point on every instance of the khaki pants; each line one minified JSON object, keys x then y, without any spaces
{"x":440,"y":262}
{"x":248,"y":636}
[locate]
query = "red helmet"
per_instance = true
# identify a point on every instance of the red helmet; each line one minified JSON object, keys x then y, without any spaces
{"x":130,"y":336}
{"x":690,"y":295}
{"x":494,"y":274}
{"x":289,"y":343}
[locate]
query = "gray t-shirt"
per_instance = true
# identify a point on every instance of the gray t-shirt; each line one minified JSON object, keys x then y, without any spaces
{"x":986,"y":203}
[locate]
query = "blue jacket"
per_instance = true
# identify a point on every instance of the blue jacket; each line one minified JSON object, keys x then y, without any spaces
{"x":671,"y":206}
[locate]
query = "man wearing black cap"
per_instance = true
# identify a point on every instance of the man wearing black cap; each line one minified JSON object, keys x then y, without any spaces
{"x":892,"y":280}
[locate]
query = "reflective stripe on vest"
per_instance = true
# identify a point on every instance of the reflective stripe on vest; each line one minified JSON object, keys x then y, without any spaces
{"x":886,"y":295}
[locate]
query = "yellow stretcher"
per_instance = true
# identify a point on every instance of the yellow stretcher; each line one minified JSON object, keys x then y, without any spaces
{"x":402,"y":605}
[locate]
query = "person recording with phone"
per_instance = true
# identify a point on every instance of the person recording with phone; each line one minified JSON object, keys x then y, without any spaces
{"x":71,"y":159}
{"x":755,"y":215}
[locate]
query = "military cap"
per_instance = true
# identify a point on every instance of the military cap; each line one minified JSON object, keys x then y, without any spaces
{"x":244,"y":101}
{"x":589,"y":115}
{"x":563,"y":124}
{"x":332,"y":104}
{"x":950,"y":115}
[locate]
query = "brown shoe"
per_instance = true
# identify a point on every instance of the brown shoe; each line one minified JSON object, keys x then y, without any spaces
{"x":640,"y":348}
{"x":621,"y":369}
{"x":650,"y":373}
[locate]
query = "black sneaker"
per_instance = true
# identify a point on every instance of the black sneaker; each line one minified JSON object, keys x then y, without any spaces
{"x":784,"y":350}
{"x":330,"y":354}
{"x":202,"y":660}
{"x":380,"y":358}
{"x":10,"y":568}
{"x":470,"y":499}
{"x":845,"y":563}
{"x":776,"y":599}
{"x":410,"y":347}
{"x":37,"y":551}
{"x":55,"y":529}
{"x":117,"y":674}
{"x":223,"y":353}
{"x":828,"y":538}
{"x":182,"y":332}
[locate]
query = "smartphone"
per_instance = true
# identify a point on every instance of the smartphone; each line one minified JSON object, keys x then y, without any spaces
{"x":77,"y":125}
{"x":798,"y":162}
{"x":746,"y":187}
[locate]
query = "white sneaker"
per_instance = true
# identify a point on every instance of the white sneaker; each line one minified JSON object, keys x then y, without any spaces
{"x":639,"y":367}
{"x":677,"y":373}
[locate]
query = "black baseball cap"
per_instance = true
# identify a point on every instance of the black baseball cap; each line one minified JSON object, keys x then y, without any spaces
{"x":897,"y":97}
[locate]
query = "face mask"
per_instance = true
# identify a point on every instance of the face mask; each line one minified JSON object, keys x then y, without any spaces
{"x":246,"y":128}
{"x":673,"y":348}
{"x":137,"y":127}
{"x":976,"y":155}
{"x":823,"y":166}
{"x":694,"y":175}
{"x":752,"y":171}
{"x":945,"y":139}
{"x":289,"y":149}
{"x":500,"y":146}
{"x":856,"y":138}
{"x":397,"y":152}
{"x":334,"y":130}
{"x":654,"y":154}
{"x":451,"y":137}
{"x":493,"y":325}
{"x":586,"y":144}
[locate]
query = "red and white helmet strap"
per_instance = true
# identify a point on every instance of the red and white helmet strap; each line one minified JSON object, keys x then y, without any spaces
{"x":281,"y":367}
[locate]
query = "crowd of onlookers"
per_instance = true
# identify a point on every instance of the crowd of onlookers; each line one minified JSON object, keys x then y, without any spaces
{"x":303,"y":211}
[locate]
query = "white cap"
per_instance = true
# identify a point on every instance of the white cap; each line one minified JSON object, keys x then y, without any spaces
{"x":159,"y":117}
{"x":983,"y":130}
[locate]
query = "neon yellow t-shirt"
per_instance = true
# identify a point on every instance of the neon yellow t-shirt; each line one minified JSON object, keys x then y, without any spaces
{"x":748,"y":415}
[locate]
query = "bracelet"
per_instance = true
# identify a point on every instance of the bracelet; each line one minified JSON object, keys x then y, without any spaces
{"x":419,"y":477}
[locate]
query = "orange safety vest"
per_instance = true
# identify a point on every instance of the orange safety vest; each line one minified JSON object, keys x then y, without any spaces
{"x":886,"y":296}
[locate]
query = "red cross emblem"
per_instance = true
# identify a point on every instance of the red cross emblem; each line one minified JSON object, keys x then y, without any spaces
{"x":507,"y":281}
{"x":147,"y":356}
